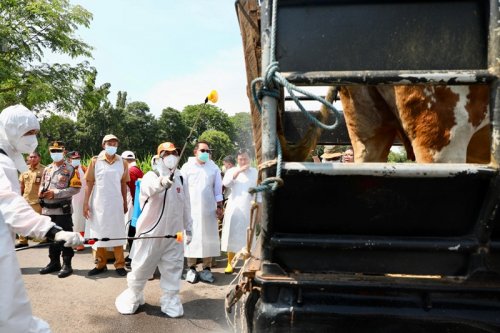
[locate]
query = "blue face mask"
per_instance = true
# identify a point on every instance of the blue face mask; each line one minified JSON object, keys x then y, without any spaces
{"x":56,"y":157}
{"x":75,"y":163}
{"x":110,"y":150}
{"x":203,"y":156}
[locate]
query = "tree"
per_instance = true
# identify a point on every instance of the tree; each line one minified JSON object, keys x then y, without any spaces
{"x":60,"y":128}
{"x":209,"y":117}
{"x":140,"y":129}
{"x":242,"y":123}
{"x":220,"y":144}
{"x":171,"y":127}
{"x":28,"y":28}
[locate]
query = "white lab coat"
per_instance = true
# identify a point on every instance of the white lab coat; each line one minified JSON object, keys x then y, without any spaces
{"x":237,"y":213}
{"x":77,"y":203}
{"x":106,"y":204}
{"x":16,"y":216}
{"x":205,"y":190}
{"x":162,"y":215}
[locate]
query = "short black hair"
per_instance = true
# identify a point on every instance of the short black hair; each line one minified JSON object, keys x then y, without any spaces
{"x":201,"y":141}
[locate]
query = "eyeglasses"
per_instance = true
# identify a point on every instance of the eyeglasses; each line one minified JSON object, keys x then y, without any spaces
{"x":205,"y":150}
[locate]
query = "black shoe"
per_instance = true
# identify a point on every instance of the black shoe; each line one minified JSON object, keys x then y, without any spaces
{"x":65,"y":271}
{"x":20,"y":245}
{"x":96,"y":271}
{"x":53,"y":266}
{"x":128,"y":262}
{"x":121,"y":271}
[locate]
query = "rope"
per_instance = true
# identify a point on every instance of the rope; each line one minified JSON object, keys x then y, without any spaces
{"x":269,"y":86}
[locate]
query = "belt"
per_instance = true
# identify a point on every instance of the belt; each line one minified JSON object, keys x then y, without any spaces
{"x":54,"y":205}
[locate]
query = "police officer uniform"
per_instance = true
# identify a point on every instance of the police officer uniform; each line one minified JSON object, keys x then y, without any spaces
{"x":63,"y":182}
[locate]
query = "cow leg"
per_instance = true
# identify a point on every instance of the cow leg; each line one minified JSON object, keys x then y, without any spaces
{"x":371,"y":125}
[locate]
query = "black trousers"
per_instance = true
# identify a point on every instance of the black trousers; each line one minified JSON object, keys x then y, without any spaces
{"x":55,"y":249}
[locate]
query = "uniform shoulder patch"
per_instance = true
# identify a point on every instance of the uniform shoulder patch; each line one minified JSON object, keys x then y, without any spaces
{"x":75,"y":181}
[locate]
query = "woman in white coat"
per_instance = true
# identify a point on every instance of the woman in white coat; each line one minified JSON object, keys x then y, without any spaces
{"x":237,"y":214}
{"x":164,"y":197}
{"x":18,"y":129}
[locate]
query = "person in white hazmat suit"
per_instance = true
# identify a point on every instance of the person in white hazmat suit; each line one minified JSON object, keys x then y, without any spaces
{"x":205,"y":193}
{"x":237,"y":214}
{"x":164,"y":196}
{"x":18,"y":129}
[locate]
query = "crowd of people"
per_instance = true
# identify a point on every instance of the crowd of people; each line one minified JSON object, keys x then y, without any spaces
{"x":65,"y":201}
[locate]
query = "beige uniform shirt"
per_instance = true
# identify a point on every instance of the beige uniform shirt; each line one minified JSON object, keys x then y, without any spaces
{"x":30,"y":183}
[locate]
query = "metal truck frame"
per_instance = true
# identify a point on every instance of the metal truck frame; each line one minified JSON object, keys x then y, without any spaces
{"x":374,"y":247}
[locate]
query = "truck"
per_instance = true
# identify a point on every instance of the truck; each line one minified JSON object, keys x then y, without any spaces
{"x":370,"y":247}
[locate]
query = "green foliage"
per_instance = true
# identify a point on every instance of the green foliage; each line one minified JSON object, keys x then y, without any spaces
{"x":242,"y":123}
{"x":220,"y":144}
{"x":139,"y":133}
{"x":172,"y":128}
{"x":28,"y":28}
{"x":398,"y":157}
{"x":209,"y":117}
{"x":145,"y":163}
{"x":56,"y":127}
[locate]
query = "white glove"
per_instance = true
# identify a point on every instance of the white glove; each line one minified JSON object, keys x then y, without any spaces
{"x":166,"y":182}
{"x":189,"y":237}
{"x":70,"y":239}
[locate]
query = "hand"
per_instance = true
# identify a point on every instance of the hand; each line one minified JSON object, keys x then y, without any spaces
{"x":125,"y":207}
{"x":70,"y":239}
{"x":219,"y":212}
{"x":86,"y":210}
{"x":189,"y":237}
{"x":49,"y":194}
{"x":166,"y":182}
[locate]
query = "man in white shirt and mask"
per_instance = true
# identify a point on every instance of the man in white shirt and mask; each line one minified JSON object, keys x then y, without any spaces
{"x":18,"y":129}
{"x":205,"y":192}
{"x":164,"y":197}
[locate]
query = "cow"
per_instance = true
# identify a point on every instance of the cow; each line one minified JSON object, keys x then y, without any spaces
{"x":435,"y":123}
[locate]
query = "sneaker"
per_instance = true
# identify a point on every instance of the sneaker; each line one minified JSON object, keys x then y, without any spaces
{"x":192,"y":276}
{"x":206,"y":275}
{"x":96,"y":271}
{"x":20,"y":245}
{"x":121,"y":271}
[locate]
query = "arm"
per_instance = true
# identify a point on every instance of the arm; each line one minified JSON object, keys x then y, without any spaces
{"x":188,"y":221}
{"x":90,"y":178}
{"x":21,"y":183}
{"x":125,"y":179}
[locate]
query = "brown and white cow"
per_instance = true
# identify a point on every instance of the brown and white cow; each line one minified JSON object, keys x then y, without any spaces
{"x":443,"y":124}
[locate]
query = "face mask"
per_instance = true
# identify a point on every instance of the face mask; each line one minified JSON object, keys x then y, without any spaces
{"x":56,"y":157}
{"x":27,"y":144}
{"x":203,"y":156}
{"x":170,"y":161}
{"x":223,"y":169}
{"x":75,"y":163}
{"x":110,"y":150}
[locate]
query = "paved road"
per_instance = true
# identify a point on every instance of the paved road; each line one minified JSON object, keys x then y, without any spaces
{"x":86,"y":304}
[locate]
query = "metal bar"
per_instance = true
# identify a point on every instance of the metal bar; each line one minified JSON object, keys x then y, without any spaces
{"x":431,"y":244}
{"x":389,"y":77}
{"x":269,"y":112}
{"x":393,"y":169}
{"x":494,"y":38}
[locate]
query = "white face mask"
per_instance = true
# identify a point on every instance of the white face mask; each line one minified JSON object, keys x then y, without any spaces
{"x":170,"y":161}
{"x":26,"y":144}
{"x":75,"y":163}
{"x":110,"y":150}
{"x":56,"y":157}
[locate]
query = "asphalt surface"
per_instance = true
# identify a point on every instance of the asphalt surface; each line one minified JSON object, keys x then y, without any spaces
{"x":86,"y":304}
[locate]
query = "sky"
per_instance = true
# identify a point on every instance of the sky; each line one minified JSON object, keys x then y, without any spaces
{"x":167,"y":53}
